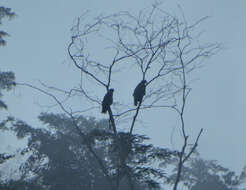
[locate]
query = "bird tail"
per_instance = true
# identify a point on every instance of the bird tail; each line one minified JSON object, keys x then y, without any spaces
{"x":104,"y":110}
{"x":135,"y":101}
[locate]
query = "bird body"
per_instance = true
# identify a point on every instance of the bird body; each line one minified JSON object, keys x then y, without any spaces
{"x":139,"y":92}
{"x":107,"y":100}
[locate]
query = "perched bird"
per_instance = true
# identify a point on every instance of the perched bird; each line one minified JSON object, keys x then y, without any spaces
{"x":139,"y":92}
{"x":107,"y":100}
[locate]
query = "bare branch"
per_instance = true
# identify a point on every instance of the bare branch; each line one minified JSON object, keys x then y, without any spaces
{"x":81,"y":68}
{"x":193,"y":147}
{"x":83,"y":136}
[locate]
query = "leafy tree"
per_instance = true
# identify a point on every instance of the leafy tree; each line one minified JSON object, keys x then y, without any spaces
{"x":60,"y":160}
{"x":20,"y":185}
{"x":7,"y":79}
{"x":201,"y":174}
{"x":7,"y":82}
{"x":4,"y":13}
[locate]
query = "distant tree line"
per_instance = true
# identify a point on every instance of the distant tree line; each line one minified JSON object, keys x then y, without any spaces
{"x":57,"y":160}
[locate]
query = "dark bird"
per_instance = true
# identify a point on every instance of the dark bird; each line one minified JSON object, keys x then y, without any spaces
{"x":139,"y":92}
{"x":107,"y":100}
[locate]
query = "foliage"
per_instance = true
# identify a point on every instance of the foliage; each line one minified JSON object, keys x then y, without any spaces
{"x":60,"y":159}
{"x":6,"y":78}
{"x":7,"y":82}
{"x":4,"y":157}
{"x":4,"y":13}
{"x":20,"y":185}
{"x":201,"y":174}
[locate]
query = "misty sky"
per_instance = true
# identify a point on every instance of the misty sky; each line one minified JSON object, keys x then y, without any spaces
{"x":36,"y":50}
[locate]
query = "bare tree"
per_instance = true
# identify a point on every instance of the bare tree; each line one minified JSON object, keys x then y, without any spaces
{"x":152,"y":45}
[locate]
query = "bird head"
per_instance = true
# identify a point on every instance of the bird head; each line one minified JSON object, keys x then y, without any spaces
{"x":111,"y":90}
{"x":144,"y":82}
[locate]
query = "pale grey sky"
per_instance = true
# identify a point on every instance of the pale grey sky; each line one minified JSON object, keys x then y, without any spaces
{"x":36,"y":50}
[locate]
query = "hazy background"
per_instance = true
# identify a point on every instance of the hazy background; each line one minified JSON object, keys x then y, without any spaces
{"x":36,"y":50}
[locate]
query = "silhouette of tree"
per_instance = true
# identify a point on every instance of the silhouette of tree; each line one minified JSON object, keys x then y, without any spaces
{"x":161,"y":48}
{"x":7,"y":79}
{"x":58,"y":158}
{"x":7,"y":82}
{"x":4,"y":13}
{"x":201,"y":174}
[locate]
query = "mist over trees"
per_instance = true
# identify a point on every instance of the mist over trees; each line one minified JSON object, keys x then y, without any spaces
{"x":73,"y":151}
